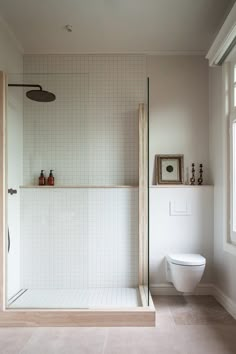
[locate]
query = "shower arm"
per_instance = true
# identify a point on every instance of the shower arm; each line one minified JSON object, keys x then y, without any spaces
{"x":25,"y":85}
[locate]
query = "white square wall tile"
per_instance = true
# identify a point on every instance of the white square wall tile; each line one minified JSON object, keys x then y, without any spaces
{"x":89,"y":240}
{"x":89,"y":135}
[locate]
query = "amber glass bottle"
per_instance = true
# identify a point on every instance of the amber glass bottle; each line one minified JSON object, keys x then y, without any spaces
{"x":42,"y":179}
{"x":51,"y":179}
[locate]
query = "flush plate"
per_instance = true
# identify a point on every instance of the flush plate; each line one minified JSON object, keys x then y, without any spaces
{"x":180,"y":208}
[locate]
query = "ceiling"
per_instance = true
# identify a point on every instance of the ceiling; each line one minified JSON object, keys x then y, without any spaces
{"x":112,"y":26}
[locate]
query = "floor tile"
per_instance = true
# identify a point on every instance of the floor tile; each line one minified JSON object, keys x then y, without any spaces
{"x":12,"y":340}
{"x":161,"y":305}
{"x":66,"y":341}
{"x":184,"y":325}
{"x":193,"y":310}
{"x":144,"y":340}
{"x":165,"y":322}
{"x":210,"y":339}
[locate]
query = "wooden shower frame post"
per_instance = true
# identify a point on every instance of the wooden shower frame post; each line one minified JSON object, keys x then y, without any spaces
{"x":143,"y":195}
{"x":111,"y":317}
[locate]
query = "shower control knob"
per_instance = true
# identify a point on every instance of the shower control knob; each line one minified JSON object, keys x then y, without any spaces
{"x":12,"y":191}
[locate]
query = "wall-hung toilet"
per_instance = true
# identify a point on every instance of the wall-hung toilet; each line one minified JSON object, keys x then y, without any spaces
{"x":185,"y":270}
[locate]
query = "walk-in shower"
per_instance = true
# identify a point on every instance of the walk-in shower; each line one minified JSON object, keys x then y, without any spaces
{"x":83,"y":243}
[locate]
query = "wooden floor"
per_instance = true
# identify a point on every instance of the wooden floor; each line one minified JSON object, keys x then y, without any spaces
{"x":186,"y":325}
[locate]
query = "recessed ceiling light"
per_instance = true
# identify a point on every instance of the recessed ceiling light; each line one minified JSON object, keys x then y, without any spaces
{"x":68,"y":28}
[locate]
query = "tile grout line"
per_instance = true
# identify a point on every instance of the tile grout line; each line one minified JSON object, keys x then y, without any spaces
{"x":105,"y":341}
{"x":26,"y":343}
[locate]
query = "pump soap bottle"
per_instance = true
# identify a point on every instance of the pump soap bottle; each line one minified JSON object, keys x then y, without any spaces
{"x":42,"y":179}
{"x":51,"y":179}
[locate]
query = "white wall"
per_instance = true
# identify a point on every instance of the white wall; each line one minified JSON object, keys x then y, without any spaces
{"x":179,"y":123}
{"x":11,"y":58}
{"x":190,"y":232}
{"x":179,"y":109}
{"x":11,"y":61}
{"x":224,"y":262}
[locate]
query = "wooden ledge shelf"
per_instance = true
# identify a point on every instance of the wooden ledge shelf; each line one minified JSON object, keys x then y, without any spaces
{"x":85,"y":187}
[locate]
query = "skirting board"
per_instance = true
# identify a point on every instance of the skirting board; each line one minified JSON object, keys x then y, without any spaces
{"x":202,"y":289}
{"x":169,"y":289}
{"x":225,"y":301}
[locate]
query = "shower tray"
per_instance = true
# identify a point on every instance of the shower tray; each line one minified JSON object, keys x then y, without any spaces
{"x":76,"y":298}
{"x":100,"y":307}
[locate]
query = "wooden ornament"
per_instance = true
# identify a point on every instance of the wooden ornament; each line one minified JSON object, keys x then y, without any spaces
{"x":200,"y":179}
{"x":192,"y":179}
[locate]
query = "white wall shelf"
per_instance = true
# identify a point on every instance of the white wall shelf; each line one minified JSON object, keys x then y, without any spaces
{"x":181,"y":186}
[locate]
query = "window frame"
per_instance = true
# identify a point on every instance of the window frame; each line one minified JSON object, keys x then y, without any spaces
{"x":232,"y":188}
{"x":232,"y":153}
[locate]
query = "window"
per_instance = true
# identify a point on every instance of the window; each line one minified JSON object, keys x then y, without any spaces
{"x":234,"y":85}
{"x":232,"y":130}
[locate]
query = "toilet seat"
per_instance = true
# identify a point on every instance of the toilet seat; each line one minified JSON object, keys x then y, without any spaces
{"x":186,"y":259}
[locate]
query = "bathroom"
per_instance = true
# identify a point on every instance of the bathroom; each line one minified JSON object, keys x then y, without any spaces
{"x":95,"y":167}
{"x":96,"y":242}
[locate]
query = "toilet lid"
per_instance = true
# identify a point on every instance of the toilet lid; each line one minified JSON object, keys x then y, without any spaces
{"x":186,"y":259}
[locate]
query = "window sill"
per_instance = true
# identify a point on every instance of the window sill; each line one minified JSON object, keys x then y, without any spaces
{"x":230,"y":248}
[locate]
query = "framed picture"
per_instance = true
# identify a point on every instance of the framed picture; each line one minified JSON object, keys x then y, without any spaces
{"x":169,"y":169}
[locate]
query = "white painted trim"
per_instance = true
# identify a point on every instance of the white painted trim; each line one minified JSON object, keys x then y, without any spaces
{"x":229,"y":247}
{"x":225,"y":301}
{"x":224,"y":38}
{"x":169,"y":289}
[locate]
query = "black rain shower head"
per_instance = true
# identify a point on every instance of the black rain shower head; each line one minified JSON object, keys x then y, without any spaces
{"x":40,"y":96}
{"x":37,"y":95}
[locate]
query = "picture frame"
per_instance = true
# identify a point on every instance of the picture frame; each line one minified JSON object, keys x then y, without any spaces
{"x":170,"y":169}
